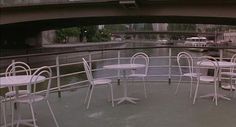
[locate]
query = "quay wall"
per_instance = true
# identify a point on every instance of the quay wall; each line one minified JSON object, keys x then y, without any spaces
{"x":64,"y":58}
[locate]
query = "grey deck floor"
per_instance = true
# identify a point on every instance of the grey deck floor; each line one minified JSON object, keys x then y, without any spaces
{"x":161,"y":109}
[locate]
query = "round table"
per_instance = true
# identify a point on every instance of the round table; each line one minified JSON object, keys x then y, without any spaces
{"x":124,"y":68}
{"x":222,"y":64}
{"x":19,"y":80}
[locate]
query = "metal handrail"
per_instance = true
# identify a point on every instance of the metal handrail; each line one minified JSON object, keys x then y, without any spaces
{"x":89,"y":55}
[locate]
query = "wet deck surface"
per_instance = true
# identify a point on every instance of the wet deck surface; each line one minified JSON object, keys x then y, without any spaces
{"x":162,"y":108}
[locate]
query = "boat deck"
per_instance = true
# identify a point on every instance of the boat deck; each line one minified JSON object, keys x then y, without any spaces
{"x":162,"y":108}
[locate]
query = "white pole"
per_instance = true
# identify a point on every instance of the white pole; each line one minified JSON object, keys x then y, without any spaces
{"x":58,"y":76}
{"x":118,"y":72}
{"x":170,"y":65}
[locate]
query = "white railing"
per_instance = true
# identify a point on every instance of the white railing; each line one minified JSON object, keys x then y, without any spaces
{"x":119,"y":59}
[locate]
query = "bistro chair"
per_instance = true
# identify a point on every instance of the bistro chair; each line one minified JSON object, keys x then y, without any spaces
{"x":208,"y":79}
{"x":33,"y":97}
{"x":95,"y":82}
{"x":16,"y":68}
{"x":140,"y":58}
{"x":186,"y":71}
{"x":231,"y":73}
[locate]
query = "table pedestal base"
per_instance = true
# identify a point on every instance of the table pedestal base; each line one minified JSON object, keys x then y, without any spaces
{"x":129,"y":99}
{"x":212,"y":95}
{"x":227,"y":87}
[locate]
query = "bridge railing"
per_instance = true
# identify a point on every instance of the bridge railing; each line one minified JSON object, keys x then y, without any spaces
{"x":68,"y":72}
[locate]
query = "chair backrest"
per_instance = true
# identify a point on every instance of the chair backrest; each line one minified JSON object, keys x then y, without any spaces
{"x":88,"y":71}
{"x":18,"y":68}
{"x":213,"y":62}
{"x":187,"y":57}
{"x":137,"y":57}
{"x":233,"y":60}
{"x":36,"y":78}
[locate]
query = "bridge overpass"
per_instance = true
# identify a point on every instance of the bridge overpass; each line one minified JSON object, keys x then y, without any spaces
{"x":28,"y":18}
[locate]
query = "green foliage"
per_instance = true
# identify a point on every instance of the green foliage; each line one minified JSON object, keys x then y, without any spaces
{"x":62,"y":35}
{"x":92,"y":34}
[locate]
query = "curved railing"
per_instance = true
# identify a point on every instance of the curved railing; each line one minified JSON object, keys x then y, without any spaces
{"x":116,"y":55}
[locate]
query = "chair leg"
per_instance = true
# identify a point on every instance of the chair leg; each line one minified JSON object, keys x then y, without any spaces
{"x":215,"y":95}
{"x":144,"y":86}
{"x":54,"y":118}
{"x":112,"y":97}
{"x":196,"y":90}
{"x":191,"y":87}
{"x":108,"y":93}
{"x":18,"y":114}
{"x":88,"y":91}
{"x":231,"y":87}
{"x":3,"y":114}
{"x":12,"y":113}
{"x":180,"y":79}
{"x":32,"y":112}
{"x":90,"y":95}
{"x":234,"y":89}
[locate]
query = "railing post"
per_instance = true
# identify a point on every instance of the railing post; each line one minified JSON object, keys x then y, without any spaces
{"x":58,"y":76}
{"x":170,"y":64}
{"x":221,"y":58}
{"x":90,"y":60}
{"x":221,"y":54}
{"x":118,"y":72}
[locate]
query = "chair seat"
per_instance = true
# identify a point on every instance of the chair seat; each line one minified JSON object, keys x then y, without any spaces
{"x":101,"y":81}
{"x":13,"y":93}
{"x":190,"y":74}
{"x":137,"y":75}
{"x":26,"y":99}
{"x":229,"y":74}
{"x":207,"y":78}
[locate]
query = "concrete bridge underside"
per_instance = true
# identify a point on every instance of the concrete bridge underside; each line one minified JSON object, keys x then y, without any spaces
{"x":30,"y":20}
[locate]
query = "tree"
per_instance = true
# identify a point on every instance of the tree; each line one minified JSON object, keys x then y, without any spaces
{"x":63,"y":35}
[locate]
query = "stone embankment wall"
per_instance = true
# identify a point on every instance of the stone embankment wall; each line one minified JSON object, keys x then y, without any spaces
{"x":37,"y":61}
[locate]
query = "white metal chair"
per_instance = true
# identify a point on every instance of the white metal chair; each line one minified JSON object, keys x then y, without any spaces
{"x":2,"y":112}
{"x":231,"y":73}
{"x":186,"y":57}
{"x":33,"y":97}
{"x":95,"y":82}
{"x":17,"y":68}
{"x":208,"y":79}
{"x":142,"y":58}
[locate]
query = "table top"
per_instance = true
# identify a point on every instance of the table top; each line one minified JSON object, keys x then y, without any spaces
{"x":221,"y":63}
{"x":19,"y":80}
{"x":124,"y":66}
